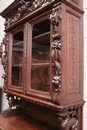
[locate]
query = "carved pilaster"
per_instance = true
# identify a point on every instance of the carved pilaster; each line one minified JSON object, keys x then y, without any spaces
{"x":55,"y":18}
{"x":4,"y":58}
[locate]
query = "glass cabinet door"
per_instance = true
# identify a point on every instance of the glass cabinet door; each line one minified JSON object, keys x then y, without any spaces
{"x":40,"y":58}
{"x":17,"y":59}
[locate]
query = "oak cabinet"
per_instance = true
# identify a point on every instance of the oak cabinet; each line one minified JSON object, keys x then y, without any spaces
{"x":43,"y":61}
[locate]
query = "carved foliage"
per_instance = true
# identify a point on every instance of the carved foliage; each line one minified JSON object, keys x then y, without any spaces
{"x":26,"y":7}
{"x":55,"y":18}
{"x":69,"y":119}
{"x":4,"y":58}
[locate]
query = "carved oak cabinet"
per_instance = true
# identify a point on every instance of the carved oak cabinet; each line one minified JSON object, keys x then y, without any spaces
{"x":43,"y":65}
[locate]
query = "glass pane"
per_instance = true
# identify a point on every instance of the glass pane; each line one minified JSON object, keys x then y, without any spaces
{"x":17,"y":59}
{"x":40,"y":68}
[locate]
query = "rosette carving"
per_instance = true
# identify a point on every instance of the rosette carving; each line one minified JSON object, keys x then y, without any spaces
{"x":55,"y":18}
{"x":4,"y":58}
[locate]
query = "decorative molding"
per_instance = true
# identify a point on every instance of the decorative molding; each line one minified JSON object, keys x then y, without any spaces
{"x":4,"y":58}
{"x":55,"y":18}
{"x":76,"y":1}
{"x":69,"y":119}
{"x":26,"y":8}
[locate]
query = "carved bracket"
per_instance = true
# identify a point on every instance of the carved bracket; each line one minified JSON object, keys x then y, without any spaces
{"x":56,"y":18}
{"x":26,"y":7}
{"x":13,"y":101}
{"x":4,"y":58}
{"x":69,"y":119}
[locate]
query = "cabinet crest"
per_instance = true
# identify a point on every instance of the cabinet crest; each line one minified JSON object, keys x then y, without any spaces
{"x":26,"y":7}
{"x":55,"y":18}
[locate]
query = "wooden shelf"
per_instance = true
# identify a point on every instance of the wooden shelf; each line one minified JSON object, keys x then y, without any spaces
{"x":43,"y":38}
{"x":40,"y":64}
{"x":17,"y":65}
{"x":18,"y":43}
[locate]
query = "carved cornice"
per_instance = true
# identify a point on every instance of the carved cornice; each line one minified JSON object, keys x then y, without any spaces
{"x":26,"y":7}
{"x":55,"y":18}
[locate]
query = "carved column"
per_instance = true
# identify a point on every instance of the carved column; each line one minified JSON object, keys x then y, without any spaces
{"x":4,"y":59}
{"x":55,"y":18}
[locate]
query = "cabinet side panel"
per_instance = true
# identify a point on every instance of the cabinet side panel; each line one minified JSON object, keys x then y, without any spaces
{"x":72,"y":65}
{"x":73,"y":30}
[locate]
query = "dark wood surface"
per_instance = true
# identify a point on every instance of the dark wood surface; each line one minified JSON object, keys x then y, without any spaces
{"x":23,"y":122}
{"x":43,"y":64}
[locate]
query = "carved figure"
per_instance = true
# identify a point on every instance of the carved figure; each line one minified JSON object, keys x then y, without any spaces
{"x":69,"y":121}
{"x":13,"y":102}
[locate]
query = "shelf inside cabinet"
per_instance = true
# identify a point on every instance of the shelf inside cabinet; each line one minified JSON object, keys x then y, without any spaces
{"x":41,"y":64}
{"x":42,"y":38}
{"x":17,"y":65}
{"x":18,"y":43}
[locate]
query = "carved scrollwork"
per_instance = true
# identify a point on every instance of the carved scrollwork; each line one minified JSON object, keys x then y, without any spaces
{"x":55,"y":18}
{"x":69,"y":119}
{"x":26,"y":7}
{"x":4,"y":58}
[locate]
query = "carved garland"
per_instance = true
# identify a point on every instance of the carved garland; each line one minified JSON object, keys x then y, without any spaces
{"x":55,"y":18}
{"x":4,"y":59}
{"x":26,"y":8}
{"x":69,"y":119}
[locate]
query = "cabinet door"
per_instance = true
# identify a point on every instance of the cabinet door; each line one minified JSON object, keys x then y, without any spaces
{"x":16,"y":46}
{"x":38,"y":64}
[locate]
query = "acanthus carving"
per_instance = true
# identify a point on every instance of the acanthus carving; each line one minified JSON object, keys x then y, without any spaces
{"x":4,"y":58}
{"x":55,"y":18}
{"x":26,"y":8}
{"x":69,"y":119}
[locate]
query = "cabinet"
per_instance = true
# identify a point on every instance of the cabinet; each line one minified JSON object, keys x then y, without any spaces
{"x":43,"y":61}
